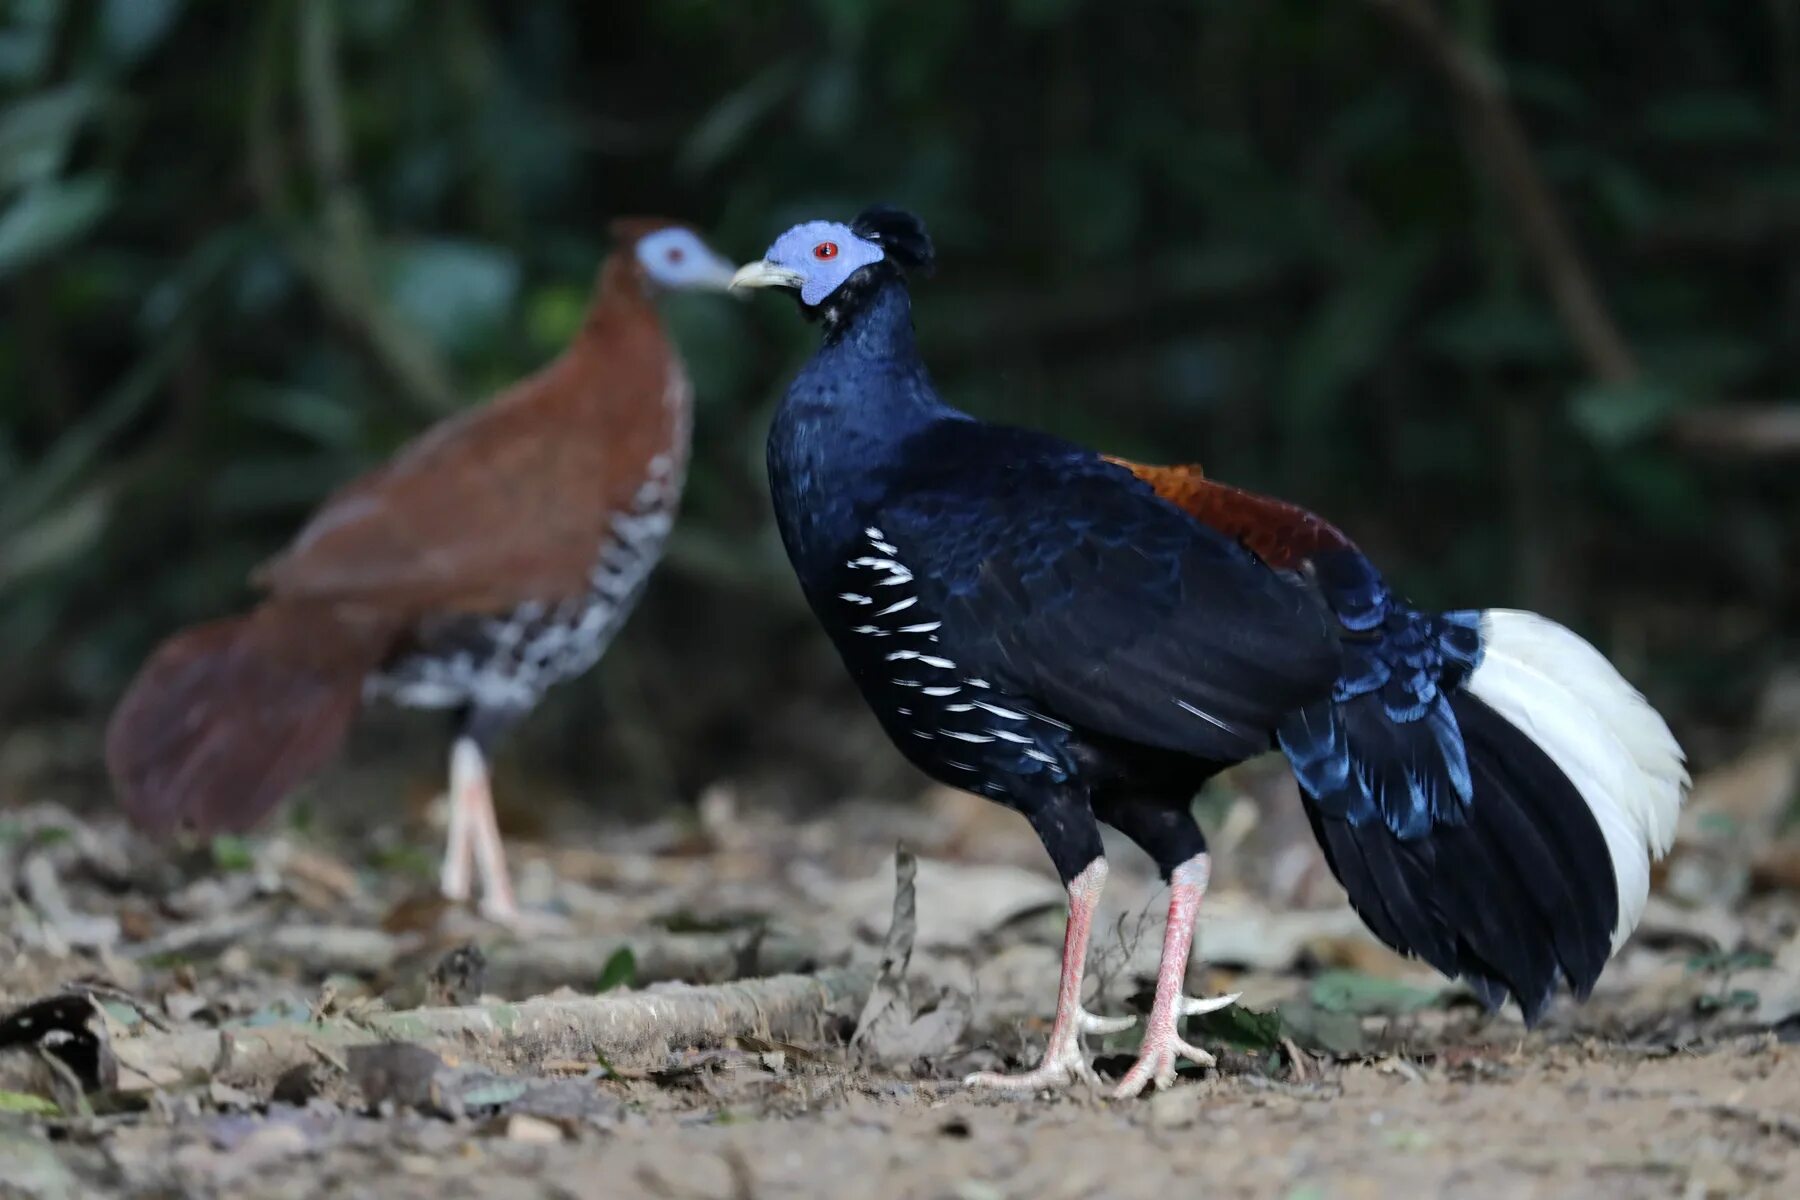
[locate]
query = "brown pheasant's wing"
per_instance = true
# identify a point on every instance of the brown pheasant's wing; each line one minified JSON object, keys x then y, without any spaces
{"x":1281,"y":534}
{"x":503,"y":504}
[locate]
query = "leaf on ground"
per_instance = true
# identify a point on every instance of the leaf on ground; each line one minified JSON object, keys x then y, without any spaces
{"x":620,"y":970}
{"x":1239,"y":1027}
{"x":28,"y":1105}
{"x":492,"y":1093}
{"x":1319,"y":1029}
{"x":1368,"y":995}
{"x":232,"y":853}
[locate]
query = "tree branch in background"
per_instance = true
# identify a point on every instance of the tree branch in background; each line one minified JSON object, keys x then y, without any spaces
{"x":334,"y":259}
{"x":1746,"y":430}
{"x":1502,"y":146}
{"x":1741,"y":429}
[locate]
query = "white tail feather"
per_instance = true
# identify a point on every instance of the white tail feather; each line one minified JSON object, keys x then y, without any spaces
{"x":1598,"y":730}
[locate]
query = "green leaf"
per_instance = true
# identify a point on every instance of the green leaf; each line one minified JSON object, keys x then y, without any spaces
{"x":620,"y":970}
{"x":1614,"y":415}
{"x":50,"y":216}
{"x":1369,"y":995}
{"x":28,"y":1105}
{"x":494,"y":1093}
{"x":1239,"y":1027}
{"x":231,"y":853}
{"x":1707,"y":117}
{"x":1350,"y":331}
{"x":131,"y":29}
{"x":1316,"y":1028}
{"x":1499,"y":331}
{"x":453,"y":290}
{"x":1096,"y":202}
{"x":735,"y":118}
{"x":36,"y":132}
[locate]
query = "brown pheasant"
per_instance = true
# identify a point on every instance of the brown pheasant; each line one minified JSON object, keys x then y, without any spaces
{"x":494,"y":556}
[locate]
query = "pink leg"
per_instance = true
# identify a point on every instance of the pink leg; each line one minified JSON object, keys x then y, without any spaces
{"x":1162,"y":1035}
{"x":459,"y":851}
{"x":474,"y":841}
{"x":1064,"y":1058}
{"x":497,"y":902}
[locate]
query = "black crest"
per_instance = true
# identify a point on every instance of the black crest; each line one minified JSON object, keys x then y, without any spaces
{"x":899,"y":233}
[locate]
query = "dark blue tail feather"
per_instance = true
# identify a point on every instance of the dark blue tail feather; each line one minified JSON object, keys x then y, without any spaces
{"x":1456,"y":837}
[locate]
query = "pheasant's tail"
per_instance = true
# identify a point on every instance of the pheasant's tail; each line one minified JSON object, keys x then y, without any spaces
{"x":228,"y":717}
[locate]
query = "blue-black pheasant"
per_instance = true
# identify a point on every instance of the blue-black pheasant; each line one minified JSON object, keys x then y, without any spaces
{"x":1086,"y":640}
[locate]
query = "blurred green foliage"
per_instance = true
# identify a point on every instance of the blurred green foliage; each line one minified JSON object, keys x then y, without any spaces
{"x":246,"y":249}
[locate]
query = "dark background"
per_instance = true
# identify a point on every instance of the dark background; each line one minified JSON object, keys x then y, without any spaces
{"x":1508,"y":290}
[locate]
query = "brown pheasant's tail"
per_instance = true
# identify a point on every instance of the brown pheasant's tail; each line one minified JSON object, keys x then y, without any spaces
{"x":228,"y":717}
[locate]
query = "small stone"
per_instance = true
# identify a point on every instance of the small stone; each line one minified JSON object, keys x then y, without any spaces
{"x":532,"y":1130}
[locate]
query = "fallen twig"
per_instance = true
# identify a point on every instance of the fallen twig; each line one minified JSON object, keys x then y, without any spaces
{"x":636,"y":1029}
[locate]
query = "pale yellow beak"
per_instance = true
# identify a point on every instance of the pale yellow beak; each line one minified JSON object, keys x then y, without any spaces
{"x":763,"y":274}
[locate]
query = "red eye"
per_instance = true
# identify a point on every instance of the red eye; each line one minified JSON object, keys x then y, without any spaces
{"x":825,"y":250}
{"x":675,"y":254}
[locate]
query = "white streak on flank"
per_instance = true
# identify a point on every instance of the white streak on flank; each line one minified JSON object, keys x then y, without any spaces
{"x":981,"y":683}
{"x":854,"y":598}
{"x":920,"y":733}
{"x":978,"y":739}
{"x":1064,"y":725}
{"x":959,"y":708}
{"x":871,"y":630}
{"x":961,"y":766}
{"x":895,"y":607}
{"x":873,"y":534}
{"x":931,"y":660}
{"x":899,"y":576}
{"x":905,"y":712}
{"x":940,"y":691}
{"x":906,"y":683}
{"x":902,"y":655}
{"x":884,"y":547}
{"x":1004,"y":713}
{"x":879,"y":564}
{"x":1010,"y":736}
{"x":922,"y":627}
{"x":1033,"y":752}
{"x":1598,"y":730}
{"x":1204,"y":715}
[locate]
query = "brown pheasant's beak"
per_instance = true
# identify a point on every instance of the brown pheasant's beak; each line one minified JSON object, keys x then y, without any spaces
{"x":719,"y":277}
{"x":763,"y":274}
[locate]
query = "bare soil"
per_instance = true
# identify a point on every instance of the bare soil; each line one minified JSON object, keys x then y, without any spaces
{"x":1679,"y":1078}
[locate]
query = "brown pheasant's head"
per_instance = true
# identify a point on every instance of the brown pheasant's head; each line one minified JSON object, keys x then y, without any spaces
{"x":669,"y":256}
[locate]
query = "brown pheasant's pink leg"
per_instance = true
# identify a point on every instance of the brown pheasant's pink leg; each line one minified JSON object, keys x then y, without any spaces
{"x":475,"y":837}
{"x":1162,"y":1035}
{"x":454,"y":877}
{"x":1064,"y":1058}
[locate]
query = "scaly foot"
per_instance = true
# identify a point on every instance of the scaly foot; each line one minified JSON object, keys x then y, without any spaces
{"x":1163,"y":1045}
{"x":1064,"y":1059}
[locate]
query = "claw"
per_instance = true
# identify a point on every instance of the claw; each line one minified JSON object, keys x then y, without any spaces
{"x":1091,"y":1023}
{"x":1191,"y":1007}
{"x":1064,"y":1060}
{"x":1163,"y":1045}
{"x":1062,"y":1065}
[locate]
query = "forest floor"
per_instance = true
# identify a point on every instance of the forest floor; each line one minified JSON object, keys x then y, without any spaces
{"x":1344,"y":1071}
